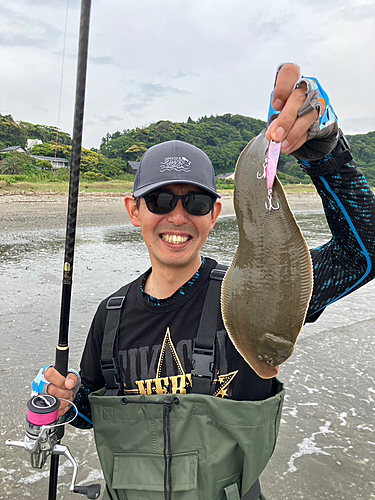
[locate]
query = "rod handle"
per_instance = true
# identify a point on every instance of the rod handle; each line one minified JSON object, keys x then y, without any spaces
{"x":61,"y":359}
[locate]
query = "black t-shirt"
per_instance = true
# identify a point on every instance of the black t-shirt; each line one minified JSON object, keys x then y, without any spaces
{"x":155,"y":341}
{"x":342,"y":265}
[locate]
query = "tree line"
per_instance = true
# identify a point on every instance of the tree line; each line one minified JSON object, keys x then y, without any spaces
{"x":221,"y":137}
{"x":94,"y":166}
{"x":14,"y":133}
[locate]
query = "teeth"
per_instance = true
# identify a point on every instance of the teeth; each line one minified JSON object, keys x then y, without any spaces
{"x":174,"y":239}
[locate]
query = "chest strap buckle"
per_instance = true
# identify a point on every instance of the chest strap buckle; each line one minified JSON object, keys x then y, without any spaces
{"x":203,"y":362}
{"x":111,"y":374}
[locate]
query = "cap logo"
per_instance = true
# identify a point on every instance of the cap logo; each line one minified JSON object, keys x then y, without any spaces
{"x":177,"y":163}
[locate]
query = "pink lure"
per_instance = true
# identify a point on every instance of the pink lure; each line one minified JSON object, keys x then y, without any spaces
{"x":272,"y":161}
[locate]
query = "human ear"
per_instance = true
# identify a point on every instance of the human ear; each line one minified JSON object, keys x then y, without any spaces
{"x":216,"y":211}
{"x":132,"y":209}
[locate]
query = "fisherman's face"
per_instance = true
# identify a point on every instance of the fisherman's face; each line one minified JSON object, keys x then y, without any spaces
{"x":176,"y":238}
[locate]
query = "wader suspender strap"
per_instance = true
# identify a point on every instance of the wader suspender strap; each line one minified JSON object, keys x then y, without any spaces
{"x":109,"y":363}
{"x":203,"y":355}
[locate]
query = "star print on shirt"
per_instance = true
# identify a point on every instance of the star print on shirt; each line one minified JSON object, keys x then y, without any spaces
{"x":177,"y":384}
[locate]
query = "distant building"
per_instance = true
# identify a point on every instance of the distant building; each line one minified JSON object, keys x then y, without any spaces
{"x":11,"y":149}
{"x":55,"y":162}
{"x":225,"y":177}
{"x":30,"y":143}
{"x":133,"y":167}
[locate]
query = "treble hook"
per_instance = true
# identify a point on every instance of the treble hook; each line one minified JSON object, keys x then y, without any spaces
{"x":269,"y":205}
{"x":263,"y":175}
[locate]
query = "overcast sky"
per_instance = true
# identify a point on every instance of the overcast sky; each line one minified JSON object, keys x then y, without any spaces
{"x":171,"y":59}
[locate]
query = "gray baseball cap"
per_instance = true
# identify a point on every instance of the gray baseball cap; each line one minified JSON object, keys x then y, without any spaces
{"x":174,"y":162}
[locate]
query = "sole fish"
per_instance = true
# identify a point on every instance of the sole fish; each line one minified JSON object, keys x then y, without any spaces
{"x":266,"y":291}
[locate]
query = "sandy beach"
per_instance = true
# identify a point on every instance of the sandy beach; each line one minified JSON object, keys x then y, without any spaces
{"x":24,"y":212}
{"x":327,"y":427}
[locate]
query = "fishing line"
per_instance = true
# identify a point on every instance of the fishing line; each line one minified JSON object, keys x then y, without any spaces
{"x":69,"y":421}
{"x":62,"y":76}
{"x":46,"y":264}
{"x":49,"y":404}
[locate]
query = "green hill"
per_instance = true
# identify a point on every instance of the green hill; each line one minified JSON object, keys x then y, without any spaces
{"x":221,"y":137}
{"x":363,"y":149}
{"x":14,"y":133}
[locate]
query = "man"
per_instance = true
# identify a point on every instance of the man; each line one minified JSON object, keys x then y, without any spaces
{"x":215,"y":436}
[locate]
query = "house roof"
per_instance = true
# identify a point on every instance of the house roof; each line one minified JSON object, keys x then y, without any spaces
{"x":49,"y":158}
{"x":11,"y":148}
{"x":134,"y":164}
{"x":229,"y":175}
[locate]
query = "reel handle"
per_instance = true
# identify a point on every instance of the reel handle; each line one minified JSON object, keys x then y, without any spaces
{"x":92,"y":491}
{"x":18,"y":444}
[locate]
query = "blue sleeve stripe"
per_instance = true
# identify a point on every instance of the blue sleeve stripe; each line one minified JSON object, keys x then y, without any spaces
{"x":360,"y":242}
{"x":85,"y":418}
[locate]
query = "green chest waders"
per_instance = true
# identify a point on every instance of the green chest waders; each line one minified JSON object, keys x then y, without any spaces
{"x":183,"y":446}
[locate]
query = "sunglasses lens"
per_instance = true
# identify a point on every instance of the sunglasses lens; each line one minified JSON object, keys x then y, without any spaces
{"x":198,"y":204}
{"x":164,"y":203}
{"x":160,"y":203}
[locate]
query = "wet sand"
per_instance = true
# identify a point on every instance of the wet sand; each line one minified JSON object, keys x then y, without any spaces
{"x":26,"y":212}
{"x":326,"y":446}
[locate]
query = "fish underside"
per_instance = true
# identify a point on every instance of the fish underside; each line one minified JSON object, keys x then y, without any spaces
{"x":267,"y":289}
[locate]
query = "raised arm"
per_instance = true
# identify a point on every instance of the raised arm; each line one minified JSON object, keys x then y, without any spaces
{"x":301,"y":116}
{"x":347,"y":261}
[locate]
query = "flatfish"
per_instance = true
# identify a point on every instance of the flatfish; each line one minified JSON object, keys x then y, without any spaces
{"x":267,"y":289}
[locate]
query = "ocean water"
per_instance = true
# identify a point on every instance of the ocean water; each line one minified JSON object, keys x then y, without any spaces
{"x":326,"y":446}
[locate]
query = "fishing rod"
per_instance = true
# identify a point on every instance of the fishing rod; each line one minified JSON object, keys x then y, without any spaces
{"x":62,"y":349}
{"x":44,"y":429}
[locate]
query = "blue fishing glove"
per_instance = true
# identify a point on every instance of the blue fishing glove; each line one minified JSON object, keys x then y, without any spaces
{"x":40,"y":384}
{"x":323,"y":134}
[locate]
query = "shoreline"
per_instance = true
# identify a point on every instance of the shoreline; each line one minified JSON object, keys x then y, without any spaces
{"x":38,"y":211}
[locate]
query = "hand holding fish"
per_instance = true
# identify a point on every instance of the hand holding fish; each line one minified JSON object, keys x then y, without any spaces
{"x":301,"y":116}
{"x":289,"y":128}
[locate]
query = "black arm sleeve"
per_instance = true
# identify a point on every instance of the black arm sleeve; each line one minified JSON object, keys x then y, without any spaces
{"x":83,"y":419}
{"x":346,"y":262}
{"x":91,"y":374}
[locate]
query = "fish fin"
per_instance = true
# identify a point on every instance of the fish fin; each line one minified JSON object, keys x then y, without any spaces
{"x":226,"y":297}
{"x":305,"y":268}
{"x":274,"y":349}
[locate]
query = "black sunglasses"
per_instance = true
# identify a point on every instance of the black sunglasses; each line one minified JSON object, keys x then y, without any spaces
{"x":162,"y":202}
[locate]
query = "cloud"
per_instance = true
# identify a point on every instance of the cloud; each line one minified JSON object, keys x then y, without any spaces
{"x":22,"y":30}
{"x":73,"y":4}
{"x":102,"y":60}
{"x":109,"y":119}
{"x":21,"y":40}
{"x":354,"y":14}
{"x":39,"y":108}
{"x":185,"y":74}
{"x":148,"y":93}
{"x":175,"y":58}
{"x":358,"y":124}
{"x":266,"y":30}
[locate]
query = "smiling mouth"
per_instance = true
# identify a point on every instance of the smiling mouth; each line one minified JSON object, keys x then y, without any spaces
{"x":175,"y":239}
